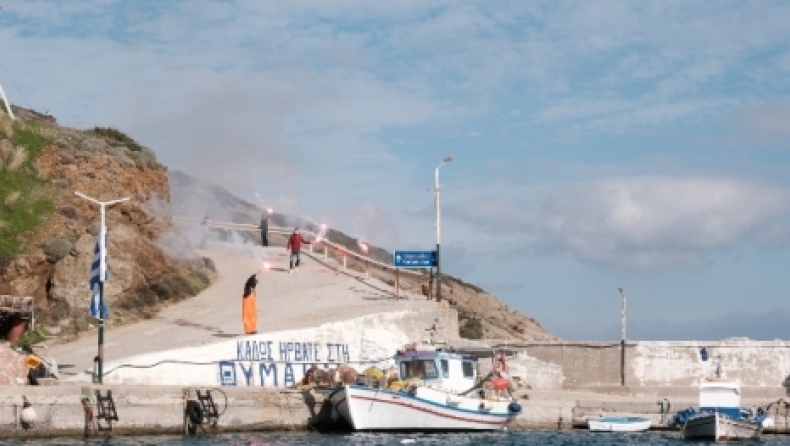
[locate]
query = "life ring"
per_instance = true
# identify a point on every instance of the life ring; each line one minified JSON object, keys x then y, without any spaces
{"x":500,"y":365}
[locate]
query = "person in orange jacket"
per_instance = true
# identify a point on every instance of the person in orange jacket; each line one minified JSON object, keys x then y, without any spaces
{"x":295,"y":246}
{"x":249,"y":306}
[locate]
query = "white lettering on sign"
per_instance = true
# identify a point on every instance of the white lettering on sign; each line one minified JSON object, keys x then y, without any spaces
{"x":256,"y":363}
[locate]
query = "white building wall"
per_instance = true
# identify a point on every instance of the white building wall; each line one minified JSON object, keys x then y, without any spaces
{"x":278,"y":359}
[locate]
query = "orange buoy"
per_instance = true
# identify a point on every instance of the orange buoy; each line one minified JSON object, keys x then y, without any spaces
{"x":500,"y":384}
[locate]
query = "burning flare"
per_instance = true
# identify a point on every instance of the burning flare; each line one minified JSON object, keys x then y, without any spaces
{"x":321,"y":232}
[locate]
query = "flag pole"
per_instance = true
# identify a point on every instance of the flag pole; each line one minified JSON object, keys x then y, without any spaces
{"x":7,"y":105}
{"x":5,"y":101}
{"x":102,"y":242}
{"x":102,"y":316}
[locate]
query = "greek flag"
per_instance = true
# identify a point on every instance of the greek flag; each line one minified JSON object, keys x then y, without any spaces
{"x":99,"y":273}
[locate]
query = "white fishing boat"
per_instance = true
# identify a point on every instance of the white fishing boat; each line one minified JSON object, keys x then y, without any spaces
{"x":618,"y":424}
{"x":438,"y":390}
{"x":719,"y":417}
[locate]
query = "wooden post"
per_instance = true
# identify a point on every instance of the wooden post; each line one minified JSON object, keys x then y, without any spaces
{"x":397,"y":283}
{"x":184,"y":399}
{"x":430,"y":284}
{"x":326,"y":252}
{"x":345,"y":262}
{"x":367,"y":270}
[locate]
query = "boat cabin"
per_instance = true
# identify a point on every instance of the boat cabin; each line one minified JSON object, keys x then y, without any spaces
{"x":720,"y":395}
{"x":444,"y":369}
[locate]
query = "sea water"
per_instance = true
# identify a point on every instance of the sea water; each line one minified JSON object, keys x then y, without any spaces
{"x":549,"y":438}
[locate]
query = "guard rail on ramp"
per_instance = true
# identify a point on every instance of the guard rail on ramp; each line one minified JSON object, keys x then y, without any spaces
{"x":343,"y":252}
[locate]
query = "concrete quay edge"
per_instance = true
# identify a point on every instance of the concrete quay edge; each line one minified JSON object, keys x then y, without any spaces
{"x":159,"y":410}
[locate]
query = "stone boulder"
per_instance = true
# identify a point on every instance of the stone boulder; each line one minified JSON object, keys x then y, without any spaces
{"x":13,"y":371}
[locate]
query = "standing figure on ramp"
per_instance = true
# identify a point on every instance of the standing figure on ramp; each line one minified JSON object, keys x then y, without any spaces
{"x":264,"y":227}
{"x":295,"y":246}
{"x":249,"y":306}
{"x":204,"y":232}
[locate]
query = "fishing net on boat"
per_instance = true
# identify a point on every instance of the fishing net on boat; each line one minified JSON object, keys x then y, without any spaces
{"x":399,"y":384}
{"x":374,"y":373}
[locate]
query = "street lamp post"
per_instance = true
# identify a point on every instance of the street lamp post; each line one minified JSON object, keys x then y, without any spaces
{"x":622,"y":338}
{"x":436,"y":190}
{"x":102,"y":268}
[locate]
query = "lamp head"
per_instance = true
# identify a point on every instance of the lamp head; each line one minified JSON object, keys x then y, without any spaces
{"x":447,"y":159}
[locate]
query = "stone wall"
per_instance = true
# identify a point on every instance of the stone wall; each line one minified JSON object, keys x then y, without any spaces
{"x":566,"y":365}
{"x":157,"y":409}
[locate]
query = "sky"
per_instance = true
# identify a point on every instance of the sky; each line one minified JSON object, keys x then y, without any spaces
{"x":599,"y":145}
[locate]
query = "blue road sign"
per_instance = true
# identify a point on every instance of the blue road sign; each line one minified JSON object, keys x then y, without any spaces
{"x":414,"y":259}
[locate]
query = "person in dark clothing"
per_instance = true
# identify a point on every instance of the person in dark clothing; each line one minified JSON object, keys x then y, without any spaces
{"x":204,"y":232}
{"x":295,"y":246}
{"x":264,"y":227}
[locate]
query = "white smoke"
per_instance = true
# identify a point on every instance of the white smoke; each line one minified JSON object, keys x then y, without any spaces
{"x":374,"y":225}
{"x":177,"y":240}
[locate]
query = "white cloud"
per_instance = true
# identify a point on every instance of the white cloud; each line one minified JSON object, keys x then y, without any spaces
{"x":639,"y":222}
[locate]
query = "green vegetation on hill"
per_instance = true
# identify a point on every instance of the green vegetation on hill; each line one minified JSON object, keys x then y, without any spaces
{"x":470,"y":326}
{"x":22,"y":203}
{"x":118,"y":136}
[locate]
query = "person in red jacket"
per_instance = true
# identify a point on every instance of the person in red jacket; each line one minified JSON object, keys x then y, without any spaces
{"x":295,"y":245}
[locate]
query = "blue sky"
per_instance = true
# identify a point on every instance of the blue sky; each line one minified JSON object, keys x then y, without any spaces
{"x":597,"y":145}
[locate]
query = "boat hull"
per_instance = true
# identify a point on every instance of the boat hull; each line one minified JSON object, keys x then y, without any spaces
{"x":720,"y":428}
{"x":365,"y":408}
{"x":618,"y":424}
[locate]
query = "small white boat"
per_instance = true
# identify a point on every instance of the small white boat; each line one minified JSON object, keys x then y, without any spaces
{"x":441,"y":394}
{"x":719,"y":417}
{"x":619,"y":424}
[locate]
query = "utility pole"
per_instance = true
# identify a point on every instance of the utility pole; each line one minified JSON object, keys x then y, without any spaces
{"x":101,"y":251}
{"x":622,"y":339}
{"x":436,"y":190}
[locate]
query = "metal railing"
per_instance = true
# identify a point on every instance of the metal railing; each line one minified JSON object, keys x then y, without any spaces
{"x":342,"y":252}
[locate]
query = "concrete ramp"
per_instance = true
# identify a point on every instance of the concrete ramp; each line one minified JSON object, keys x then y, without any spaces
{"x":320,"y":306}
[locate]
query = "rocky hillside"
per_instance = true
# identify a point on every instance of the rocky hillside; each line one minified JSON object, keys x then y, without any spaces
{"x":481,"y":314}
{"x":48,"y":234}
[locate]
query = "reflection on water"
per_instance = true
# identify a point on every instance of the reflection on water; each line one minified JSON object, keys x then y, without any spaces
{"x":549,"y":438}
